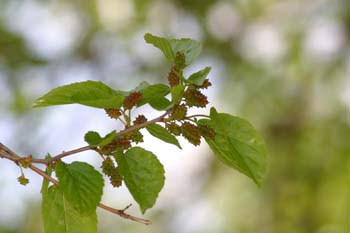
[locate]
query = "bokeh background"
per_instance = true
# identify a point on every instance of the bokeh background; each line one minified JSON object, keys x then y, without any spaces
{"x":283,"y":65}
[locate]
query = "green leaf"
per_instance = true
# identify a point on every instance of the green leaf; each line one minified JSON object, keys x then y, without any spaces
{"x":143,"y":174}
{"x":154,"y":95}
{"x":162,"y":134}
{"x":81,"y":184}
{"x":94,"y":139}
{"x":59,"y":215}
{"x":140,"y":87}
{"x":199,"y":77}
{"x":190,"y":48}
{"x":89,"y":93}
{"x":177,"y":93}
{"x":237,"y":144}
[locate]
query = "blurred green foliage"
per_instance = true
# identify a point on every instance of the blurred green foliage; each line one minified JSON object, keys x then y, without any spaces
{"x":282,"y":65}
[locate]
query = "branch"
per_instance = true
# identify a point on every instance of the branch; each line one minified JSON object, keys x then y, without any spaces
{"x":8,"y":154}
{"x":85,"y":148}
{"x":122,"y":214}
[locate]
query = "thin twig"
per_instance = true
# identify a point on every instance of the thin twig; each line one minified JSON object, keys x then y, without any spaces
{"x":9,"y":154}
{"x":66,"y":153}
{"x":198,"y":115}
{"x":122,"y":214}
{"x":85,"y":148}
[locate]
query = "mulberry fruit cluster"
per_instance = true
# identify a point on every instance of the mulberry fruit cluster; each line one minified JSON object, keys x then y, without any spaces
{"x":194,"y":97}
{"x":173,"y":78}
{"x":191,"y":133}
{"x":179,"y":112}
{"x":132,"y":100}
{"x":174,"y":128}
{"x":119,"y":143}
{"x":113,"y":113}
{"x":23,"y":180}
{"x":112,"y":172}
{"x":136,"y":136}
{"x":140,"y":119}
{"x":206,"y":131}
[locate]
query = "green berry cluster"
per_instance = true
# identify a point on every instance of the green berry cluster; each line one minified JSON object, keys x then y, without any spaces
{"x":194,"y":97}
{"x":140,"y":119}
{"x":112,"y":172}
{"x":178,"y":112}
{"x":132,"y":100}
{"x":113,"y":113}
{"x":191,"y":133}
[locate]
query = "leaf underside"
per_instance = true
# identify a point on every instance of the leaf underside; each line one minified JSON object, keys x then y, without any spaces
{"x":190,"y":48}
{"x":143,"y":175}
{"x":237,"y":144}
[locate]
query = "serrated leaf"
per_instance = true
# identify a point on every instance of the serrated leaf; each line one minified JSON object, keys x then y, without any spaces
{"x":81,"y":184}
{"x":59,"y":215}
{"x":94,"y":139}
{"x":237,"y":144}
{"x":190,"y":48}
{"x":162,"y":134}
{"x":177,"y":93}
{"x":143,"y":174}
{"x":89,"y":93}
{"x":154,"y":95}
{"x":199,"y":77}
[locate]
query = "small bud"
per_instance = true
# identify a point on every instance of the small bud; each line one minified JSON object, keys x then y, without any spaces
{"x":132,"y":100}
{"x":136,"y":137}
{"x":140,"y":119}
{"x":179,"y":112}
{"x":23,"y":180}
{"x":113,"y":113}
{"x":26,"y":161}
{"x":191,"y":133}
{"x":194,"y":97}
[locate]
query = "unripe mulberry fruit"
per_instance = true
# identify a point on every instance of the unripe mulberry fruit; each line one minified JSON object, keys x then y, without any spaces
{"x":122,"y":143}
{"x":191,"y":133}
{"x":140,"y":119}
{"x":132,"y":100}
{"x":173,"y":79}
{"x":115,"y":178}
{"x":179,"y":112}
{"x":174,"y":128}
{"x":136,"y":137}
{"x":113,"y":113}
{"x":194,"y":97}
{"x":23,"y":180}
{"x":108,"y":166}
{"x":207,"y":131}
